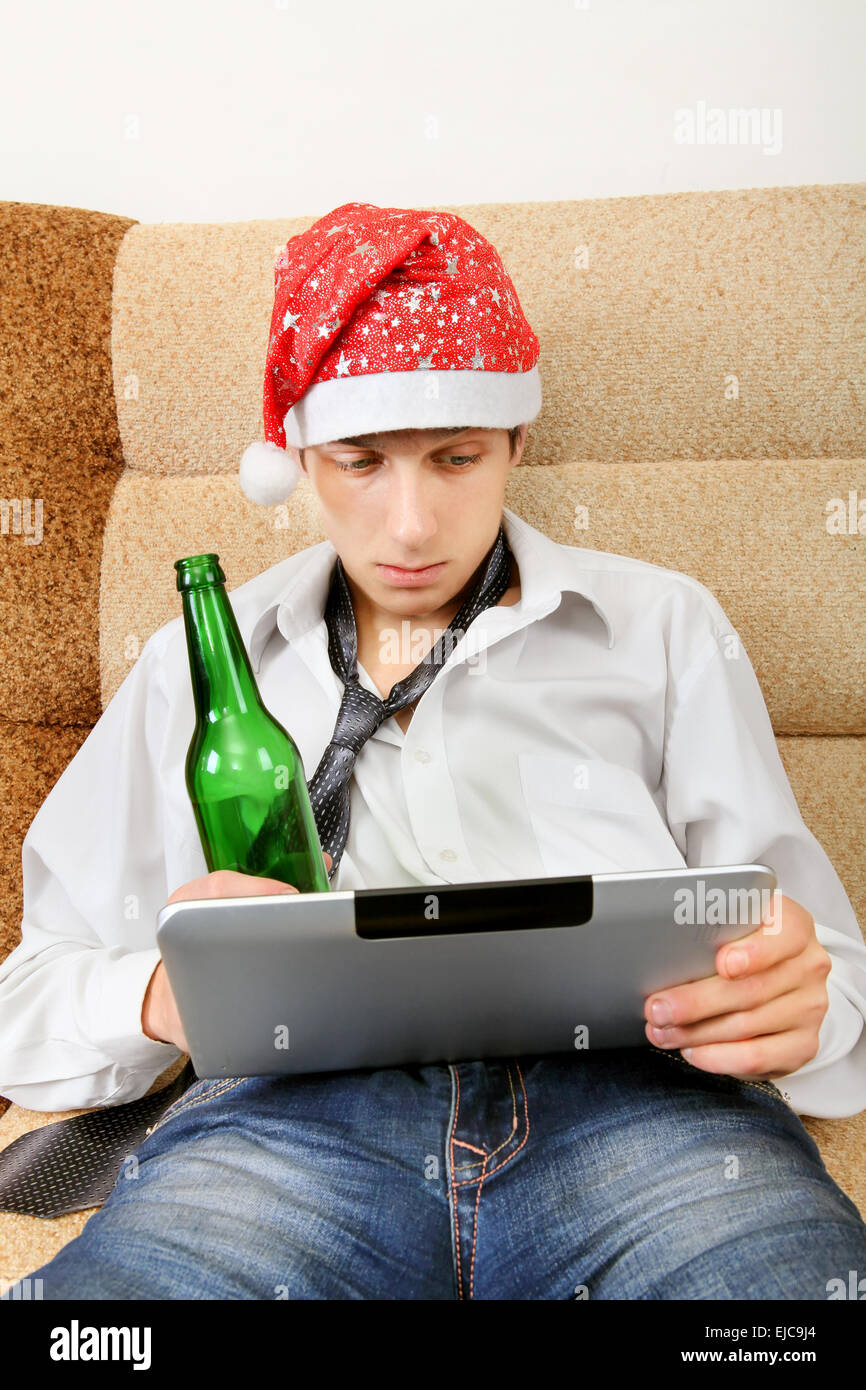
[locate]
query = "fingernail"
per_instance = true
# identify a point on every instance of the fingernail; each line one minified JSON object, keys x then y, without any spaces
{"x":661,"y":1012}
{"x":736,"y":962}
{"x":685,"y":1052}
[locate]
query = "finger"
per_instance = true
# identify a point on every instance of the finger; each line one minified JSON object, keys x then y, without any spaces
{"x":708,"y":998}
{"x":230,"y":883}
{"x":258,"y":886}
{"x":787,"y":1012}
{"x":762,"y":1058}
{"x":785,"y":931}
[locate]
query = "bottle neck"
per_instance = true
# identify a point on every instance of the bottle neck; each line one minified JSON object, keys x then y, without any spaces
{"x":222,"y":679}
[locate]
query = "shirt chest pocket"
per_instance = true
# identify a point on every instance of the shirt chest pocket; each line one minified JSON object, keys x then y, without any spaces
{"x":592,"y":816}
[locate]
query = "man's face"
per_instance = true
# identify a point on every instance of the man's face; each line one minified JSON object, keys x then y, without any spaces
{"x":418,"y":498}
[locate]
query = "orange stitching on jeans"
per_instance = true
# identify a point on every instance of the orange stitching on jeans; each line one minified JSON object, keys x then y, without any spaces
{"x":455,"y":1184}
{"x":475,"y":1163}
{"x":475,"y":1234}
{"x":467,"y":1181}
{"x":525,"y":1138}
{"x":179,"y":1106}
{"x":513,"y":1115}
{"x":463,"y":1166}
{"x":453,"y":1194}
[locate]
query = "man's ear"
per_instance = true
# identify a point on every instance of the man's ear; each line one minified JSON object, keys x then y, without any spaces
{"x":518,"y":448}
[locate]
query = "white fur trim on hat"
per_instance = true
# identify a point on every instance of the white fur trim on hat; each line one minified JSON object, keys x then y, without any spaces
{"x":418,"y":399}
{"x":268,"y":474}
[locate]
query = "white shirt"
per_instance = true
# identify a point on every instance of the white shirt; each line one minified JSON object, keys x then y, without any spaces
{"x":610,"y":720}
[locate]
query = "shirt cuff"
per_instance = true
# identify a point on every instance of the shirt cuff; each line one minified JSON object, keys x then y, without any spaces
{"x":833,"y":1084}
{"x":117,"y":1029}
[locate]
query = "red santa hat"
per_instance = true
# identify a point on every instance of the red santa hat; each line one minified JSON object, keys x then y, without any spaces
{"x":388,"y":319}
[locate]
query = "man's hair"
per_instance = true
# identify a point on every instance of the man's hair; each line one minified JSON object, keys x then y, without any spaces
{"x":372,"y":441}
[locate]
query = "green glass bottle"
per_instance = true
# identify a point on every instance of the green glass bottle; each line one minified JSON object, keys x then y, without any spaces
{"x":244,"y":774}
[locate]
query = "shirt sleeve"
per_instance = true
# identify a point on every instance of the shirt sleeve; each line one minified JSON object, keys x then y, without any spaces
{"x":729,"y":801}
{"x":94,"y":879}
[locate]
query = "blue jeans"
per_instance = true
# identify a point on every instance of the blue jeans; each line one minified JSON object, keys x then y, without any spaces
{"x":623,"y":1174}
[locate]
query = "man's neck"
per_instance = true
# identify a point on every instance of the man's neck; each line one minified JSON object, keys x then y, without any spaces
{"x":374,"y":623}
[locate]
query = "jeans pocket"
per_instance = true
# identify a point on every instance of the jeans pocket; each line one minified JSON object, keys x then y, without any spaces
{"x":766,"y":1086}
{"x":199,"y":1093}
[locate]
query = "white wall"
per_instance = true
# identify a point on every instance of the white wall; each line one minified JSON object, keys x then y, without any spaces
{"x":180,"y":110}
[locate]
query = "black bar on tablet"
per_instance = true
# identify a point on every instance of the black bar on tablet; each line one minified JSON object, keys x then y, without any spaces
{"x":446,"y":909}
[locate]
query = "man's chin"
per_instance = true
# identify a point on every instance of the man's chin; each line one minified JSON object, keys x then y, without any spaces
{"x":419,"y":601}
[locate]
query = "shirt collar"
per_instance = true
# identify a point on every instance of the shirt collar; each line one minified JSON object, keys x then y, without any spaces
{"x":547,"y":570}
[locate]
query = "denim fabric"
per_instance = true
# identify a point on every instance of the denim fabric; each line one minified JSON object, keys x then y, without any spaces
{"x":624,"y":1174}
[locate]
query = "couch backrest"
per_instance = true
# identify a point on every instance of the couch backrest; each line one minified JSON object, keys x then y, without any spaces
{"x":702,"y":360}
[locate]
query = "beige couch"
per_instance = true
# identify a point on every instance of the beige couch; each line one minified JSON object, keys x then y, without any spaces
{"x":703,"y":375}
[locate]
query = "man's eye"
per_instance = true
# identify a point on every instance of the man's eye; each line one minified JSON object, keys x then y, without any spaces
{"x":359,"y":465}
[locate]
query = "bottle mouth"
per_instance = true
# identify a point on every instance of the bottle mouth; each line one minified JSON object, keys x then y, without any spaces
{"x":199,"y":571}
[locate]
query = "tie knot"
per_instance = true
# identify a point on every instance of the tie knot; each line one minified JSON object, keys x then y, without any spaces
{"x":361,"y":713}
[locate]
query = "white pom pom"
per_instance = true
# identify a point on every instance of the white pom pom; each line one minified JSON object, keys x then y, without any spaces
{"x":268,"y":474}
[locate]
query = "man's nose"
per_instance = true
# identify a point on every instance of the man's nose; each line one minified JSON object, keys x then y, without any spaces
{"x":411,"y":517}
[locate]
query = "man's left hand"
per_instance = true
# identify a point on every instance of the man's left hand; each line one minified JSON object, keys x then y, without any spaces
{"x":755,"y":1019}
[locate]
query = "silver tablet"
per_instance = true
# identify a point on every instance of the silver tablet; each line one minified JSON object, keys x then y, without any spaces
{"x":314,"y":982}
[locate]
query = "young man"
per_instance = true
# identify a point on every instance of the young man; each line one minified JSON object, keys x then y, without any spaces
{"x":609,"y":1171}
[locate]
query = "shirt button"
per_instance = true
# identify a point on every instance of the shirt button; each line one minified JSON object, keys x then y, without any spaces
{"x":421,"y":755}
{"x":447,"y":854}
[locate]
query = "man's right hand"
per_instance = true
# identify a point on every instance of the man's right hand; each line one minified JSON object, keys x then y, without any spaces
{"x":160,"y":1019}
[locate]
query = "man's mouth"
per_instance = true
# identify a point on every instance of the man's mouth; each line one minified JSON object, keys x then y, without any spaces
{"x":399,"y":574}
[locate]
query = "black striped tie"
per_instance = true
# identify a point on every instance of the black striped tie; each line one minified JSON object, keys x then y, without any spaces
{"x":361,"y":711}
